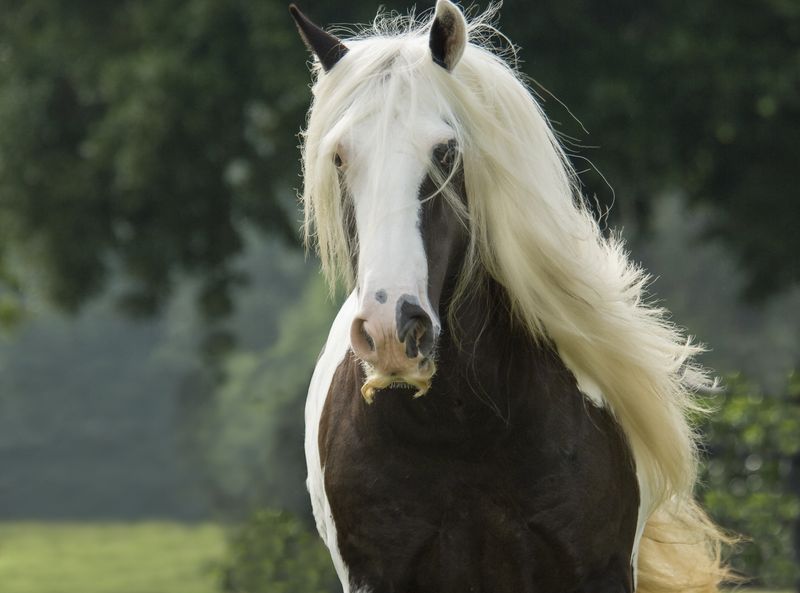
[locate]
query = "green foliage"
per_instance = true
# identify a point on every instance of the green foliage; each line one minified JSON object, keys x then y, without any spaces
{"x":137,"y":136}
{"x":12,"y":309}
{"x":746,"y":482}
{"x":253,"y":433}
{"x":275,"y":553}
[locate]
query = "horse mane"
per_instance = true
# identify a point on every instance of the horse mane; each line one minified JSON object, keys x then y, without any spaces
{"x":532,"y":232}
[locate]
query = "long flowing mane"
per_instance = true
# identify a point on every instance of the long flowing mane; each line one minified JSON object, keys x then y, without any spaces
{"x":532,"y":232}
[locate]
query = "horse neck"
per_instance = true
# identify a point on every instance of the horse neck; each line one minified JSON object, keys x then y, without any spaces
{"x":479,"y":315}
{"x":483,"y":347}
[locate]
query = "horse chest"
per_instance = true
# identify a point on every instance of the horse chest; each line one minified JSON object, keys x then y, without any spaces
{"x":442,"y":494}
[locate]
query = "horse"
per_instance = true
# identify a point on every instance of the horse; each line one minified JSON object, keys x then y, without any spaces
{"x":498,"y":408}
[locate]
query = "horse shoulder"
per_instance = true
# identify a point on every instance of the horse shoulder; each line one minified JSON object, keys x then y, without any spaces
{"x":593,"y":394}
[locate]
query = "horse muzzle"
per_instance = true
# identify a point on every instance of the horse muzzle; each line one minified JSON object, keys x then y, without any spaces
{"x":395,"y":344}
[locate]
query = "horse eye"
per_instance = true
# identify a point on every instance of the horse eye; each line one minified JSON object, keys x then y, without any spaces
{"x":445,"y":153}
{"x":337,"y":160}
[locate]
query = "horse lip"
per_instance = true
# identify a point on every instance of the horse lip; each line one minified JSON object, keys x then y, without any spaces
{"x":376,"y":380}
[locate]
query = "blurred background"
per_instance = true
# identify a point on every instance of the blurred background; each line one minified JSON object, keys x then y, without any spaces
{"x":159,"y":321}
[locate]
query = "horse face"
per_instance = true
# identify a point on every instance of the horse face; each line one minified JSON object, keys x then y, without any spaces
{"x":407,"y":235}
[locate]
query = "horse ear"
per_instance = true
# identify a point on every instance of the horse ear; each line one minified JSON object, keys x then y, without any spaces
{"x":448,"y":36}
{"x":328,"y":48}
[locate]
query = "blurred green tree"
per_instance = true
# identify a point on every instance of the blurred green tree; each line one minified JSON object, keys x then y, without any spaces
{"x":251,"y":432}
{"x":275,"y":553}
{"x":751,"y":441}
{"x":136,"y":137}
{"x":700,"y":97}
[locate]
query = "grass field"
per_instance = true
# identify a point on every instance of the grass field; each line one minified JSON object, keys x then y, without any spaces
{"x":151,"y":557}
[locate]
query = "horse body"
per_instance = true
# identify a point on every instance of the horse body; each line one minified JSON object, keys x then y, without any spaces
{"x":504,"y":478}
{"x":496,"y":409}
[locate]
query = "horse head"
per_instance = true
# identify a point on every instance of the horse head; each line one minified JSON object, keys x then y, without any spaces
{"x":394,"y":152}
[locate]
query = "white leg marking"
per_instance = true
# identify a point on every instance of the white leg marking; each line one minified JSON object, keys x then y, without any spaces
{"x":335,"y":350}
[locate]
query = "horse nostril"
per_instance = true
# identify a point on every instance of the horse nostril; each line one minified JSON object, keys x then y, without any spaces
{"x":426,"y":338}
{"x":412,"y":349}
{"x":414,"y":328}
{"x":369,"y":340}
{"x":360,"y":339}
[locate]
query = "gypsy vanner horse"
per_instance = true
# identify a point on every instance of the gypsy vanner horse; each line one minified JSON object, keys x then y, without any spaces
{"x":496,"y":408}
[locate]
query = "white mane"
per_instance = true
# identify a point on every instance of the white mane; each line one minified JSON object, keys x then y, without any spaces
{"x":532,"y":232}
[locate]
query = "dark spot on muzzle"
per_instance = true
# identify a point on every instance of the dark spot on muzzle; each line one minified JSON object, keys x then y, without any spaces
{"x":380,"y":296}
{"x":414,"y":327}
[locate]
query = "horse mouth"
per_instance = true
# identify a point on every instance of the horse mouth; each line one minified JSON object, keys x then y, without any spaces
{"x":419,"y":382}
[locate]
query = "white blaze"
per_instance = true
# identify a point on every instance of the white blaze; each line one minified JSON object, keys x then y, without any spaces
{"x":385,"y":164}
